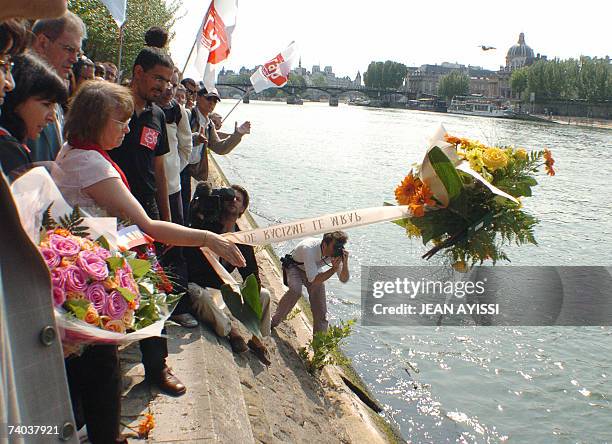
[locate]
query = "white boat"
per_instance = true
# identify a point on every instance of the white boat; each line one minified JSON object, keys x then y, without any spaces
{"x":477,"y":106}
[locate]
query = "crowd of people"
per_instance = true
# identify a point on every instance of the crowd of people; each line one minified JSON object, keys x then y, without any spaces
{"x":130,"y":148}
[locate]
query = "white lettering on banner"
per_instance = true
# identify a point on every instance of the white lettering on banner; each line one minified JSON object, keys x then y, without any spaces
{"x":318,"y":225}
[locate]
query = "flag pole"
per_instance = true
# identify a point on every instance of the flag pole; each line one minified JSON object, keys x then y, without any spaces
{"x":119,"y":71}
{"x":247,"y":92}
{"x":190,"y":53}
{"x":195,"y":41}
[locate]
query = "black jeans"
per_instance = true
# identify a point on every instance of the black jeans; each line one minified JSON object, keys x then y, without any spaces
{"x":154,"y":350}
{"x":186,"y":193}
{"x":94,"y":381}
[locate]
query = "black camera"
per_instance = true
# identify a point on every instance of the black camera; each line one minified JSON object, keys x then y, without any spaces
{"x":206,"y":206}
{"x":338,"y":249}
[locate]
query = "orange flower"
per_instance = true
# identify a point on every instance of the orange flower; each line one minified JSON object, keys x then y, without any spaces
{"x":426,"y":195}
{"x":115,"y":325}
{"x":146,"y":425}
{"x":452,"y":139}
{"x":62,"y":232}
{"x":549,"y":162}
{"x":405,"y":191}
{"x":415,"y":194}
{"x":421,"y":198}
{"x":75,"y":295}
{"x":67,"y":261}
{"x":92,"y":317}
{"x":418,"y":210}
{"x":110,"y":284}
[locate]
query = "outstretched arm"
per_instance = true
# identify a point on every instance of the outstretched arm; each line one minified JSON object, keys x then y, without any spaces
{"x":113,"y":196}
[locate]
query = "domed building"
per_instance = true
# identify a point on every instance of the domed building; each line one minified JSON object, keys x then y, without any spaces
{"x":520,"y":54}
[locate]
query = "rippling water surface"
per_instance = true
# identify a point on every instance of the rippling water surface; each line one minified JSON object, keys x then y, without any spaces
{"x":447,"y":384}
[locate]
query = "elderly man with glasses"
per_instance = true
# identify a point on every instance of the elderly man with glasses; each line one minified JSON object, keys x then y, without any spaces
{"x":58,"y":42}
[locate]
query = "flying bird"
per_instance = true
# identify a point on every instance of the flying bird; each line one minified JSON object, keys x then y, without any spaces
{"x":486,"y":48}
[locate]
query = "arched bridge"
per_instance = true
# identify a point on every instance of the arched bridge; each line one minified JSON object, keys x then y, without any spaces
{"x":332,"y":91}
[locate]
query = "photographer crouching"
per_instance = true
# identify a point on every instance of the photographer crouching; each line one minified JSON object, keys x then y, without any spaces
{"x":218,"y":210}
{"x":305,"y":266}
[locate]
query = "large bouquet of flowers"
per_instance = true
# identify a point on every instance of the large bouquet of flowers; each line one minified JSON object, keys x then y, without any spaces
{"x":102,"y":294}
{"x":465,"y":198}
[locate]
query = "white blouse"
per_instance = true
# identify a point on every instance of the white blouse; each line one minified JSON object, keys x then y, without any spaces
{"x":78,"y":169}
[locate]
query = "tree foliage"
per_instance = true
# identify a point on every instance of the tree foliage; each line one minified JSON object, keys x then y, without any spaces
{"x":586,"y":78}
{"x":518,"y":80}
{"x":385,"y":75}
{"x":102,"y":42}
{"x":453,"y":84}
{"x":296,"y":80}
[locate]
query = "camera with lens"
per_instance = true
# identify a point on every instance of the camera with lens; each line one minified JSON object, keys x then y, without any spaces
{"x":338,"y":249}
{"x":206,"y":206}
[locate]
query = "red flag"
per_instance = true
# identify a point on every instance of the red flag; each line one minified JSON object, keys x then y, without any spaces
{"x":214,"y":40}
{"x":275,"y":73}
{"x":213,"y":37}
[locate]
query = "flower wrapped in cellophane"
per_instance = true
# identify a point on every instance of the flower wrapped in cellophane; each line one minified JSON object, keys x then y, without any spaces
{"x":465,"y":198}
{"x":103,"y":292}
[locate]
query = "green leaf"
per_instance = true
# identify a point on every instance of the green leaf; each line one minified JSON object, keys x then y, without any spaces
{"x":146,"y":314}
{"x":78,"y":307}
{"x":115,"y":263}
{"x":146,"y":288}
{"x":127,"y":294}
{"x":140,"y":267}
{"x":241,"y":310}
{"x":103,"y":242}
{"x":250,"y":294}
{"x":446,"y":171}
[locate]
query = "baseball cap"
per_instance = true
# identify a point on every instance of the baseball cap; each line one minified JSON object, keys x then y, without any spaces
{"x":203,"y":92}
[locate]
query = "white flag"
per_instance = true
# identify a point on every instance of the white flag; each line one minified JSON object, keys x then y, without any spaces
{"x":117,"y":10}
{"x":275,"y":73}
{"x":215,"y":38}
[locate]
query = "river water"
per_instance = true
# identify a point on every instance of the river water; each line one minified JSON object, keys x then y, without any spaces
{"x":446,"y":384}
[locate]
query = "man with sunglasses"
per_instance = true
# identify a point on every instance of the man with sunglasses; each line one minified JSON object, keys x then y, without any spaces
{"x":58,"y":42}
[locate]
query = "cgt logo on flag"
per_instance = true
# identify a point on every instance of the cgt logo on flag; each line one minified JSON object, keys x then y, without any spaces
{"x":272,"y":71}
{"x":214,"y":37}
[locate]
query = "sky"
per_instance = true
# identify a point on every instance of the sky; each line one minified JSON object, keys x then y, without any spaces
{"x":349,"y":34}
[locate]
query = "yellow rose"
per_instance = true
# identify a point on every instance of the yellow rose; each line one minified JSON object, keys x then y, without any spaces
{"x":521,"y":154}
{"x":494,"y":158}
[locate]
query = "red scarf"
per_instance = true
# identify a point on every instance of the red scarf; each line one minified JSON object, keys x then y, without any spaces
{"x":4,"y":132}
{"x":93,"y":147}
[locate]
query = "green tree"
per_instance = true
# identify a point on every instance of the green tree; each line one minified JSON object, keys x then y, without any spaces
{"x":296,"y":80}
{"x":102,"y":42}
{"x":453,"y":84}
{"x":385,"y":75}
{"x":587,"y":79}
{"x":518,"y":81}
{"x":318,"y":79}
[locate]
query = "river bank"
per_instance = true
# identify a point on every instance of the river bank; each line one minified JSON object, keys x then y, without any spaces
{"x":235,"y":399}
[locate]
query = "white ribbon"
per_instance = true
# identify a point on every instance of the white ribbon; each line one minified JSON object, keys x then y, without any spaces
{"x":318,"y":225}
